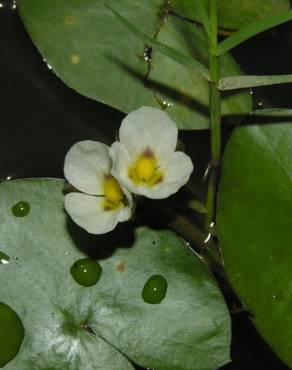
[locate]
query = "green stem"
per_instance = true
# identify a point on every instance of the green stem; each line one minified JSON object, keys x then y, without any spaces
{"x":215,"y":116}
{"x":187,"y":229}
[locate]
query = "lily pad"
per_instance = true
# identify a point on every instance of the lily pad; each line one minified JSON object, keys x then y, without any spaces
{"x":71,"y":327}
{"x":234,"y":14}
{"x":255,"y":223}
{"x":93,"y":53}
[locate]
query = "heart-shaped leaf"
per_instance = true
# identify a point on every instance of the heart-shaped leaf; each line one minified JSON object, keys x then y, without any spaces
{"x":255,"y":223}
{"x":233,"y":14}
{"x":92,"y":52}
{"x":69,"y":326}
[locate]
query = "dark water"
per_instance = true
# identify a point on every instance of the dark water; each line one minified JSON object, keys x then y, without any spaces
{"x":40,"y":118}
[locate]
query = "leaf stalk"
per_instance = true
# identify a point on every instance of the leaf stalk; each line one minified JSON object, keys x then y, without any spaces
{"x":215,"y":116}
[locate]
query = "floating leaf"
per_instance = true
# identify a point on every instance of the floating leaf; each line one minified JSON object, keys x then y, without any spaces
{"x":68,"y":326}
{"x":92,"y":52}
{"x":234,"y":14}
{"x":255,"y":224}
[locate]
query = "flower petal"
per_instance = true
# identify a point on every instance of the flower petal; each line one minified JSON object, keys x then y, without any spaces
{"x":176,"y":172}
{"x":121,"y":164}
{"x":86,"y":163}
{"x":88,"y":212}
{"x":149,"y":128}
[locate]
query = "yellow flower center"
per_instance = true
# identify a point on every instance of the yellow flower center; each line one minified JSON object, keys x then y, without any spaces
{"x":113,"y":193}
{"x":146,"y":170}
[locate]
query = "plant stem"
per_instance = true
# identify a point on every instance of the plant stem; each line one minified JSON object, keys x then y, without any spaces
{"x":186,"y":228}
{"x":215,"y":116}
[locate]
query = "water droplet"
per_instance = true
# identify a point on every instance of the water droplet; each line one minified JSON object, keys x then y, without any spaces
{"x":86,"y":272}
{"x":164,"y":104}
{"x":12,"y":333}
{"x":147,"y":55}
{"x":207,"y":172}
{"x":4,"y":259}
{"x":164,"y":10}
{"x":278,"y":295}
{"x":21,"y":209}
{"x":48,"y":65}
{"x":208,"y":238}
{"x":8,"y":5}
{"x":155,"y":289}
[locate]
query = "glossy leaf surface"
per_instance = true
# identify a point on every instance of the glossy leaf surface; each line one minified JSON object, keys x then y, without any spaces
{"x":71,"y":327}
{"x":234,"y":14}
{"x":96,"y":55}
{"x":255,"y":224}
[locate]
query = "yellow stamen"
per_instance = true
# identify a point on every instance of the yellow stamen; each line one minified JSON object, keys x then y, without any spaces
{"x":145,"y":170}
{"x":113,"y":193}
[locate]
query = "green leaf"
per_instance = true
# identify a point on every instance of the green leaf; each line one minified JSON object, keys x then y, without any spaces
{"x":187,"y":91}
{"x":255,"y":225}
{"x":171,"y":53}
{"x":243,"y":82}
{"x":203,"y":15}
{"x":71,"y":327}
{"x":251,"y":30}
{"x":93,"y":53}
{"x":233,"y":14}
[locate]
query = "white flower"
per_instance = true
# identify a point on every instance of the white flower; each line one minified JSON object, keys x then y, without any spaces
{"x":145,"y":160}
{"x":105,"y":203}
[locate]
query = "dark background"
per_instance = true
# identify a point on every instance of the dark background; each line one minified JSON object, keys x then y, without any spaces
{"x":40,"y":118}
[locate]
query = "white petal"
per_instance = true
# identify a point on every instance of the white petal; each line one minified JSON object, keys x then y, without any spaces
{"x":120,"y":169}
{"x":126,"y":212}
{"x":176,"y":172}
{"x":151,"y":128}
{"x":86,"y":163}
{"x":87,"y":211}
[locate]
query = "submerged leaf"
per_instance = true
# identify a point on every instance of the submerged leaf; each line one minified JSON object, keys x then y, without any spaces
{"x":169,"y":52}
{"x":233,"y":14}
{"x":71,"y":327}
{"x":92,"y":52}
{"x":255,"y":224}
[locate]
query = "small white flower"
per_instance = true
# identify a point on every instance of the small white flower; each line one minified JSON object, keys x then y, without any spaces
{"x":105,"y":203}
{"x":145,"y":160}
